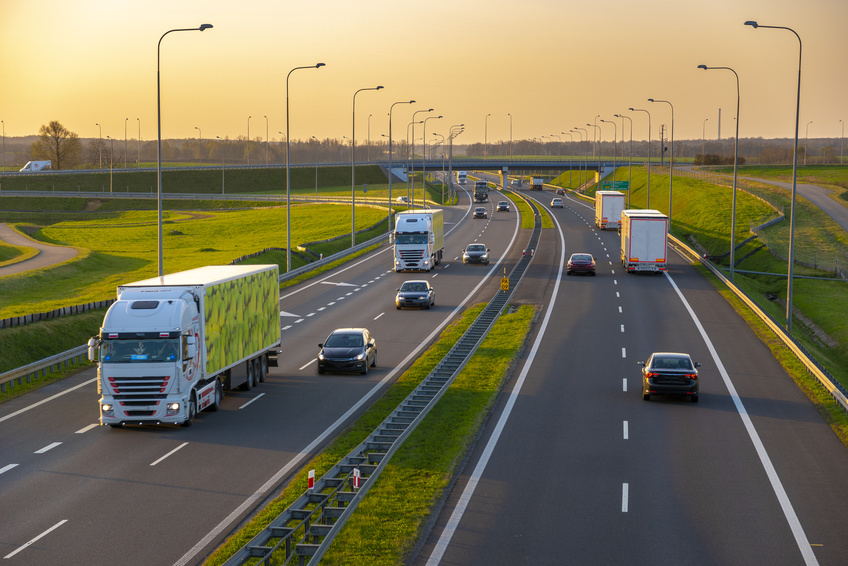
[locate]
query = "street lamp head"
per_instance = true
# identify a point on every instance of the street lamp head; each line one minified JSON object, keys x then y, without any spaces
{"x":411,"y":102}
{"x":319,"y":65}
{"x":205,"y":27}
{"x":632,"y":109}
{"x":704,"y":67}
{"x":650,"y":100}
{"x":379,"y":87}
{"x":752,"y":23}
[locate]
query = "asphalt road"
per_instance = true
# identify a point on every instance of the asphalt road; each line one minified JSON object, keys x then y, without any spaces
{"x":48,"y":254}
{"x":575,"y":468}
{"x":76,"y":493}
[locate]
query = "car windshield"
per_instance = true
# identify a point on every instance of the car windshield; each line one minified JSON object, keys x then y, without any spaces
{"x":410,"y":238}
{"x":557,"y":200}
{"x":140,"y":351}
{"x":476,"y":248}
{"x":479,"y":209}
{"x":671,"y":362}
{"x":414,"y":286}
{"x":344,"y":341}
{"x":581,"y":257}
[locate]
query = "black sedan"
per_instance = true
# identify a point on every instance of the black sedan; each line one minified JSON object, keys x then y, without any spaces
{"x":417,"y":293}
{"x":480,"y":212}
{"x":348,"y":350}
{"x":503,"y":206}
{"x":476,"y":253}
{"x":580,"y":263}
{"x":670,"y":373}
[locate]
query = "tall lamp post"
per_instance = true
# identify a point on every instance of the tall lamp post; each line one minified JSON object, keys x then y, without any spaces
{"x":597,"y":130}
{"x":581,"y":131}
{"x":159,"y":133}
{"x":671,"y":159}
{"x":412,"y":157}
{"x":755,"y":25}
{"x":391,"y":174}
{"x":138,"y":146}
{"x":648,"y":185}
{"x":443,"y":164}
{"x":630,"y":156}
{"x":100,"y":144}
{"x":424,"y":165}
{"x":353,"y":168}
{"x":221,"y":147}
{"x":200,"y":146}
{"x":266,"y":141}
{"x":614,"y":138}
{"x":570,"y":169}
{"x":704,"y":137}
{"x":317,"y":147}
{"x":486,"y":137}
{"x":735,"y":164}
{"x":125,"y":142}
{"x":288,"y":168}
{"x":111,"y":159}
{"x":248,"y":140}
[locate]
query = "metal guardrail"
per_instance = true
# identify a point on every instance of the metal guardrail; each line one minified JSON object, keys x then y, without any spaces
{"x":305,"y":530}
{"x":40,"y":368}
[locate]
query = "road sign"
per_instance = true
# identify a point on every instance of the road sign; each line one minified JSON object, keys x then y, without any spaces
{"x":504,"y":283}
{"x":617,"y":185}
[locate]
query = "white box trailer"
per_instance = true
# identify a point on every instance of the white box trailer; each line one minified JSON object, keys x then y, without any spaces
{"x":169,"y":346}
{"x":644,"y":240}
{"x":419,"y":239}
{"x":608,"y":207}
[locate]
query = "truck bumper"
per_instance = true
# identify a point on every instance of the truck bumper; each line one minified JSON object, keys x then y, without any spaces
{"x":159,"y":411}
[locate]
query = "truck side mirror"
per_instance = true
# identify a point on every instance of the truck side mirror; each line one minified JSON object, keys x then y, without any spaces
{"x":191,"y":348}
{"x":92,"y":349}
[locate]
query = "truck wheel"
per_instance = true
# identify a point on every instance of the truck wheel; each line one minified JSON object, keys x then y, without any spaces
{"x":216,"y":403}
{"x":248,"y":384}
{"x":192,"y":410}
{"x":263,"y":368}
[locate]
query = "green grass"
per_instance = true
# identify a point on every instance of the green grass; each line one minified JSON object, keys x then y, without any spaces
{"x":353,"y":436}
{"x":120,"y":247}
{"x":527,"y":217}
{"x":832,"y":176}
{"x":10,"y":254}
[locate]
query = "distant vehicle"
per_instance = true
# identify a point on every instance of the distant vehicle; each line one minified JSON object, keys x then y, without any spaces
{"x":537,"y":184}
{"x":503,"y":206}
{"x":402,"y":200}
{"x":33,"y":166}
{"x":417,"y":293}
{"x":644,"y":235}
{"x":461,"y":177}
{"x":608,"y":207}
{"x":580,"y":263}
{"x":480,"y":212}
{"x":670,"y":373}
{"x":556,"y":203}
{"x":481,"y":191}
{"x":516,"y":183}
{"x":560,"y":191}
{"x":419,"y":239}
{"x":348,"y":350}
{"x":476,"y":253}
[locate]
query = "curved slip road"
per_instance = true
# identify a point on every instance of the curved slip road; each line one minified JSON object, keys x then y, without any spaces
{"x":48,"y":254}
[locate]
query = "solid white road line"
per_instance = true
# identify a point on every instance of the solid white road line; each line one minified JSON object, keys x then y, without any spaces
{"x":258,"y":397}
{"x":36,"y":539}
{"x":776,"y":485}
{"x":183,"y":445}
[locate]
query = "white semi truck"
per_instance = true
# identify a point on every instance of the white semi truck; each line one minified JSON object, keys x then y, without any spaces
{"x":644,"y":239}
{"x":170,"y":346}
{"x":608,"y":207}
{"x":419,"y":239}
{"x":461,"y":177}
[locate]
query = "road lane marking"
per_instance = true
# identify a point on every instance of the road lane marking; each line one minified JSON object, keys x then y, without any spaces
{"x":181,"y":446}
{"x":260,"y":396}
{"x":625,"y":495}
{"x":623,"y":352}
{"x":36,"y":539}
{"x":5,"y":469}
{"x":307,"y":364}
{"x":56,"y":396}
{"x":48,"y":447}
{"x":284,"y":313}
{"x":619,"y":309}
{"x":321,"y":308}
{"x":298,"y":321}
{"x":310,"y":314}
{"x":286,"y":327}
{"x":626,"y":431}
{"x":776,"y":485}
{"x":622,"y":328}
{"x":87,"y":428}
{"x":379,"y":315}
{"x":624,"y":385}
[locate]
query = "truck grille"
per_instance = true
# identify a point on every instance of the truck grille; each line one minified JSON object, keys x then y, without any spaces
{"x":411,"y":255}
{"x":148,"y":387}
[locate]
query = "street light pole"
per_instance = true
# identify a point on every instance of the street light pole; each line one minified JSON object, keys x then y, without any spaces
{"x":317,"y":147}
{"x":125,"y":142}
{"x":424,"y":165}
{"x":735,"y":165}
{"x":111,"y":159}
{"x":288,"y":169}
{"x":599,"y":142}
{"x":570,"y":168}
{"x":100,"y":144}
{"x":794,"y":179}
{"x":200,"y":146}
{"x":266,"y":141}
{"x":368,"y":141}
{"x":584,"y":163}
{"x":614,"y":137}
{"x":671,"y":159}
{"x":353,"y":168}
{"x":391,"y":174}
{"x":629,"y":158}
{"x":221,"y":147}
{"x":138,"y":147}
{"x":704,"y":138}
{"x":159,"y":132}
{"x":411,"y":182}
{"x":486,"y":138}
{"x":648,"y":185}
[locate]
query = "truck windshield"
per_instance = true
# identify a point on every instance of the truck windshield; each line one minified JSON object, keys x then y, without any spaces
{"x":140,"y":351}
{"x":410,"y":238}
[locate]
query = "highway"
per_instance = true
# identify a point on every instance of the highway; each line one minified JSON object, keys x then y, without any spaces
{"x":575,"y":468}
{"x":572,"y":468}
{"x":76,"y":493}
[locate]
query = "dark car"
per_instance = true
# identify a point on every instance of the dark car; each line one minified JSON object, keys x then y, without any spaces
{"x":480,"y":212}
{"x":415,"y":294}
{"x":348,"y":350}
{"x":475,"y":253}
{"x":580,"y":263}
{"x":670,"y":373}
{"x":503,"y":206}
{"x":560,"y":192}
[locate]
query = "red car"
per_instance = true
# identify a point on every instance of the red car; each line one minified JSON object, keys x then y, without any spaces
{"x":580,"y":263}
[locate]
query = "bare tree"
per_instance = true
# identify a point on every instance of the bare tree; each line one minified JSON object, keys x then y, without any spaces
{"x":57,"y":144}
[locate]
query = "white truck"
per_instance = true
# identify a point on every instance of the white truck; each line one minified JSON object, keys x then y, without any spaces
{"x":608,"y":207}
{"x":419,"y":239}
{"x":169,"y":346}
{"x":33,"y":166}
{"x":461,"y":177}
{"x":537,"y":184}
{"x":644,"y":238}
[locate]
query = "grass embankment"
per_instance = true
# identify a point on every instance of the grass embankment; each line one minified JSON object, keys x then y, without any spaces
{"x":10,"y":254}
{"x":830,"y":176}
{"x":527,"y":217}
{"x":389,"y":520}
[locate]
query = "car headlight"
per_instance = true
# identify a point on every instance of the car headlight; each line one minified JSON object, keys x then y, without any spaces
{"x":321,"y":356}
{"x":421,"y":298}
{"x":360,"y":357}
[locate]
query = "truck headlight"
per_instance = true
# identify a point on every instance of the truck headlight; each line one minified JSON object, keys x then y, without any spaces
{"x":172,"y":409}
{"x":426,"y":262}
{"x":107,"y":410}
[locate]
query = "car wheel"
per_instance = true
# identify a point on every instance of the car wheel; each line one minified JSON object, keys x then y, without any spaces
{"x":248,"y":384}
{"x":695,"y":398}
{"x":592,"y":273}
{"x":374,"y":362}
{"x":568,"y":273}
{"x":646,"y":396}
{"x":397,"y":307}
{"x":320,"y":370}
{"x":365,"y":368}
{"x":427,"y":305}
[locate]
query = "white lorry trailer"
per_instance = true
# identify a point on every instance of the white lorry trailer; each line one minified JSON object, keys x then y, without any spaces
{"x":419,"y":239}
{"x":537,"y":184}
{"x":461,"y":177}
{"x":608,"y":207}
{"x":170,"y":346}
{"x":644,"y":238}
{"x":33,"y":166}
